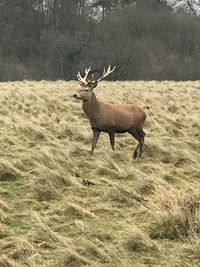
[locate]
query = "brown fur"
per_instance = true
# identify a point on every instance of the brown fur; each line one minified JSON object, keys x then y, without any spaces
{"x":113,"y":118}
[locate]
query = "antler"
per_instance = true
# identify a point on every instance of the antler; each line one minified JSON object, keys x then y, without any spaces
{"x":84,"y":79}
{"x":88,"y":71}
{"x":106,"y":72}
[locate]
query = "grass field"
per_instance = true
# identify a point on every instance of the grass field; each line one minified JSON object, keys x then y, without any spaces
{"x":136,"y":213}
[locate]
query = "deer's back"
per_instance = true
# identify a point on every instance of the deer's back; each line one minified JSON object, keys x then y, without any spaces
{"x":118,"y":117}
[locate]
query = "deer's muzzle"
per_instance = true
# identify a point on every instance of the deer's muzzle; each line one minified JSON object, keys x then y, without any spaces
{"x":76,"y":96}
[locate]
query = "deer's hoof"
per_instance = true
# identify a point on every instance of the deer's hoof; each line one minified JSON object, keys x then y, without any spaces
{"x":135,"y":155}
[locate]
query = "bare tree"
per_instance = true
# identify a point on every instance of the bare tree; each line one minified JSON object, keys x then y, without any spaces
{"x":191,"y":6}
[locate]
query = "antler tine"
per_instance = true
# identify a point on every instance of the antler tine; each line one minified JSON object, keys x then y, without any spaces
{"x":84,"y":79}
{"x":87,"y":70}
{"x":80,"y":78}
{"x":79,"y":75}
{"x":106,"y":72}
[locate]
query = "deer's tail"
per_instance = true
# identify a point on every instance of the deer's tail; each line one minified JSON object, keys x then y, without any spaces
{"x":144,"y":107}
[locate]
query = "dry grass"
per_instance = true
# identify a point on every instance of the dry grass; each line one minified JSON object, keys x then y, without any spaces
{"x":60,"y":207}
{"x":175,"y":212}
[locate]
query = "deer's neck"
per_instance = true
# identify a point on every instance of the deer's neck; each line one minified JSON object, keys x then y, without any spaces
{"x":91,"y":107}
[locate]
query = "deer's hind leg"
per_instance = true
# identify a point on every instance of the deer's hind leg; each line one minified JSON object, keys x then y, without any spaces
{"x":139,"y":135}
{"x":142,"y":134}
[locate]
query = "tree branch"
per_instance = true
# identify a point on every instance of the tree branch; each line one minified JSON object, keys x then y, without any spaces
{"x":190,"y":5}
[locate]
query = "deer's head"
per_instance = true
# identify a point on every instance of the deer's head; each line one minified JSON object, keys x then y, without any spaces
{"x":88,"y":84}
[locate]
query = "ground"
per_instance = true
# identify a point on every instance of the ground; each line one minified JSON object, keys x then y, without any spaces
{"x":134,"y":213}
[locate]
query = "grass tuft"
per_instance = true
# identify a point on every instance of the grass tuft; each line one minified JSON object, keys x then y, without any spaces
{"x":175,"y":213}
{"x":138,"y":241}
{"x":6,"y":262}
{"x":75,"y":210}
{"x":8,"y":172}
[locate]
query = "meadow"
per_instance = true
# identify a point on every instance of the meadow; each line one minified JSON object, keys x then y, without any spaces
{"x":61,"y":207}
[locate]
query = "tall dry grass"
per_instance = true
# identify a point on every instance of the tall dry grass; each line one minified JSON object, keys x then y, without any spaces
{"x":60,"y":207}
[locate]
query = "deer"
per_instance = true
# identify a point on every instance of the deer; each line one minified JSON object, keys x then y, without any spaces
{"x":107,"y":117}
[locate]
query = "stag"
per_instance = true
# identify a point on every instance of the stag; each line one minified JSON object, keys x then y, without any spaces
{"x":110,"y":118}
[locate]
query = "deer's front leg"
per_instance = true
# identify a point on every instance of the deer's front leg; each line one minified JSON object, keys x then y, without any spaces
{"x":96,"y":134}
{"x":112,"y":140}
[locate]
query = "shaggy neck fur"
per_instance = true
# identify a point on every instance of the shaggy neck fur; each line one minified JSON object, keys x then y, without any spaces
{"x":91,"y":106}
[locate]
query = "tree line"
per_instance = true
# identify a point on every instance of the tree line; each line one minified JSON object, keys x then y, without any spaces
{"x":53,"y":39}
